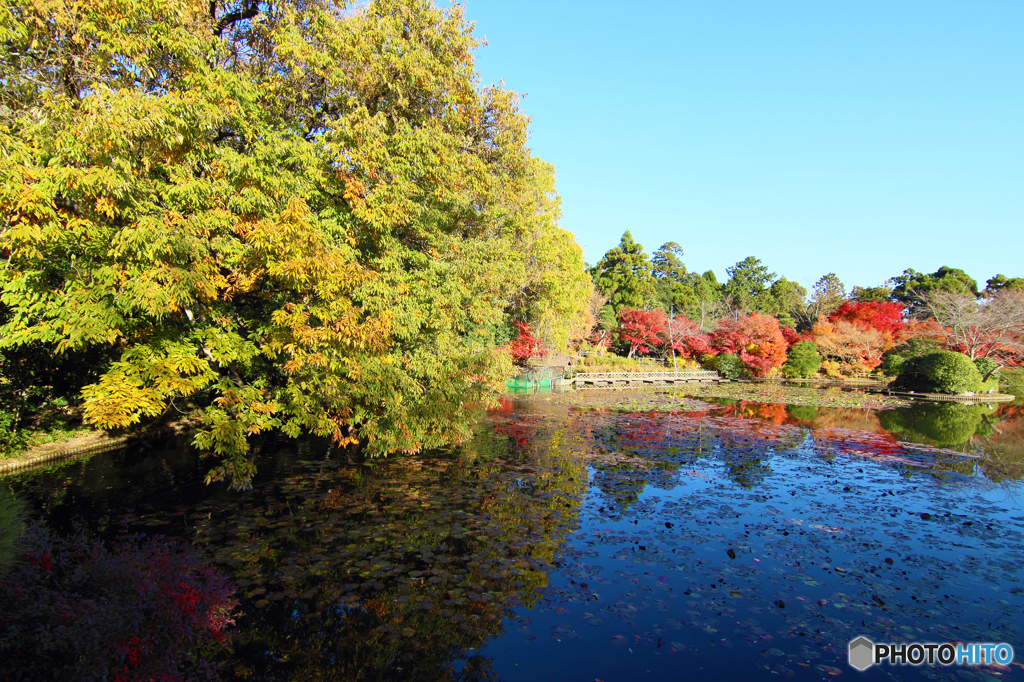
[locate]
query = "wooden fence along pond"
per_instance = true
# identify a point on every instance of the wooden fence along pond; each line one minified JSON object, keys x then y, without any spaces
{"x":598,"y":380}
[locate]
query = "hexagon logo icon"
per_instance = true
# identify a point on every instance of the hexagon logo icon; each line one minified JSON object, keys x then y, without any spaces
{"x":862,"y":653}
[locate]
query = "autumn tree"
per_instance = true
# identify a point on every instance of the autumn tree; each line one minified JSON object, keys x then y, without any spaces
{"x":623,"y":275}
{"x":885,"y":316}
{"x":641,"y":330}
{"x":857,"y":334}
{"x":288,"y":216}
{"x":992,"y":327}
{"x":686,"y":338}
{"x":756,"y":339}
{"x":858,"y":348}
{"x":525,"y":345}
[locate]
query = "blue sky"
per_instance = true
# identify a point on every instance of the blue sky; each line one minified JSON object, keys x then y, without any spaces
{"x":857,"y":137}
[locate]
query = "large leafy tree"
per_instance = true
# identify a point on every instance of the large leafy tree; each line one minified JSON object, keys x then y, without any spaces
{"x":301,"y":216}
{"x":708,"y":304}
{"x":624,"y":276}
{"x":867,"y":294}
{"x":785,"y":300}
{"x":1000,"y":282}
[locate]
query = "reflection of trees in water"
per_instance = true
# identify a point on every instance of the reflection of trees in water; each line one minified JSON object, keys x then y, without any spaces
{"x":946,"y":425}
{"x":1002,"y":436}
{"x":396,"y":571}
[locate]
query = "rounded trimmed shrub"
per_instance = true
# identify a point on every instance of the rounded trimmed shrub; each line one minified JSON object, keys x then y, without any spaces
{"x":893,"y":359}
{"x":803,"y":360}
{"x":940,"y":372}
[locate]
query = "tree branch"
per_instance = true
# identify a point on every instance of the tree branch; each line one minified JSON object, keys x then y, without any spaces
{"x":234,"y":17}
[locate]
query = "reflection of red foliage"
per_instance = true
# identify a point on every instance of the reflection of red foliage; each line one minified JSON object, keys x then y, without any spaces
{"x":136,"y":610}
{"x":505,"y":406}
{"x":522,"y":431}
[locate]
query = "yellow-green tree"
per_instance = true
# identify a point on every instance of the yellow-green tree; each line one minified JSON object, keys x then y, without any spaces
{"x":303,"y":216}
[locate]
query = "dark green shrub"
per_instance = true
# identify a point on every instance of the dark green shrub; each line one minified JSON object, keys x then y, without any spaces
{"x":894,"y":358}
{"x":802,"y":360}
{"x":941,"y":372}
{"x":728,"y":365}
{"x":986,"y":366}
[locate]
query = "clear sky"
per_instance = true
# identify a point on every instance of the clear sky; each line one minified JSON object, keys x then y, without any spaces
{"x":854,"y":136}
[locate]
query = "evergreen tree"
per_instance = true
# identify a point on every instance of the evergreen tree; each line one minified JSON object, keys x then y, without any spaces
{"x":624,"y":276}
{"x":671,"y":280}
{"x":748,"y":282}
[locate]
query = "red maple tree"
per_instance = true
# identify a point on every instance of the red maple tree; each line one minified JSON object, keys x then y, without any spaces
{"x":793,"y":337}
{"x":756,"y":339}
{"x":642,"y":330}
{"x":525,"y":345}
{"x":885,"y":316}
{"x":687,"y":339}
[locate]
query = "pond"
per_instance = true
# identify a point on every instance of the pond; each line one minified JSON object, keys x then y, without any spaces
{"x":720,"y":541}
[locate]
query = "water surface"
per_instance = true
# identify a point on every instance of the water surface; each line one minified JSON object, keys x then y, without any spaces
{"x":745,"y":541}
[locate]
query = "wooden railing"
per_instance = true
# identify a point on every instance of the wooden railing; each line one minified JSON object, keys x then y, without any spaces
{"x":614,"y":376}
{"x":588,"y":380}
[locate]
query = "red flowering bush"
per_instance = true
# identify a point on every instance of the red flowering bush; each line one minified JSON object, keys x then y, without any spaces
{"x":143,"y":610}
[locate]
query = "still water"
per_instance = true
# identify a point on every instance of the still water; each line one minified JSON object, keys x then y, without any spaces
{"x":741,"y":541}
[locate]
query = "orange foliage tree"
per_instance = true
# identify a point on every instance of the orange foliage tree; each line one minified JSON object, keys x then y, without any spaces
{"x":857,"y":347}
{"x":756,"y":339}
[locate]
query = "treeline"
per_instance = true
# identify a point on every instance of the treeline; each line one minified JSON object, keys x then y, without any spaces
{"x":761,"y":324}
{"x":304,"y":216}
